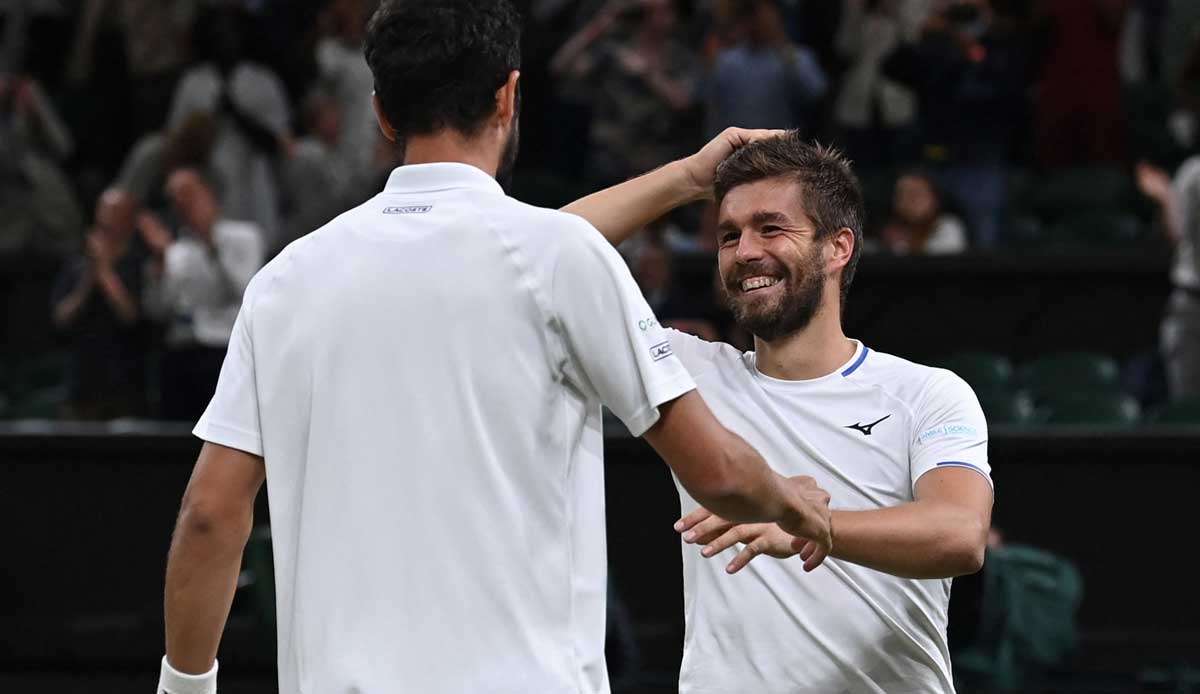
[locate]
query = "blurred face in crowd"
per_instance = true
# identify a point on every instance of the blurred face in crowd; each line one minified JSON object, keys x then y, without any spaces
{"x":762,"y":21}
{"x":770,"y":261}
{"x":659,"y":15}
{"x":115,"y":212}
{"x":915,"y":200}
{"x":653,"y":268}
{"x":194,"y":200}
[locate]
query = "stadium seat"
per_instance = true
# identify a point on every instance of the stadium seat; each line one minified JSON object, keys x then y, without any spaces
{"x":1182,"y":412}
{"x":982,"y":370}
{"x":1092,"y":229}
{"x":1004,"y":407}
{"x":1094,"y":409}
{"x":44,"y":403}
{"x":1063,"y":193}
{"x":1071,"y":373}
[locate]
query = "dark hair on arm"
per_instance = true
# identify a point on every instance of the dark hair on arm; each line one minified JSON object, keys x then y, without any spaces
{"x":829,"y":191}
{"x":438,"y":63}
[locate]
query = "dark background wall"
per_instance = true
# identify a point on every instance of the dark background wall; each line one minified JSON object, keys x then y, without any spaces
{"x":87,"y":521}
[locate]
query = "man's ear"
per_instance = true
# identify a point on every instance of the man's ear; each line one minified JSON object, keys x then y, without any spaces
{"x":506,"y":100}
{"x":842,"y":245}
{"x":384,"y":125}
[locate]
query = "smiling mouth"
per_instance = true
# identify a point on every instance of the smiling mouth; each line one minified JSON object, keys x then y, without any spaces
{"x":753,"y":284}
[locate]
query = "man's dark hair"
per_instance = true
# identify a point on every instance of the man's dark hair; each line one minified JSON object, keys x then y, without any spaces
{"x":438,"y":63}
{"x":829,"y":190}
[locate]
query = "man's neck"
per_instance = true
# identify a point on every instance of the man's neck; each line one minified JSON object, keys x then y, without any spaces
{"x":815,"y":351}
{"x":447,"y":146}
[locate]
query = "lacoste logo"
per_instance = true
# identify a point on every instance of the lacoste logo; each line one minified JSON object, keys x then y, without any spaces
{"x":661,"y":351}
{"x":866,"y":428}
{"x":408,"y":209}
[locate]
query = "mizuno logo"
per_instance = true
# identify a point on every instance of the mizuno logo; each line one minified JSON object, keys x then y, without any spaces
{"x":866,"y":428}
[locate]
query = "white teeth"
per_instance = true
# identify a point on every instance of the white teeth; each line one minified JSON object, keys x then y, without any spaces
{"x":758,"y":283}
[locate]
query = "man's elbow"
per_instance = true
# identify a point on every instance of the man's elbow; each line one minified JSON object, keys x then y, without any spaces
{"x":967,"y":551}
{"x":214,"y":520}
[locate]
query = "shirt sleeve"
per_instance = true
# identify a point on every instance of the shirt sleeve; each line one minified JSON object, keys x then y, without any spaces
{"x":616,"y":349}
{"x":231,"y":418}
{"x":950,"y":429}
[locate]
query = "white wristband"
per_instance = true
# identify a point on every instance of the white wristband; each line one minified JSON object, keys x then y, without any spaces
{"x":172,"y":681}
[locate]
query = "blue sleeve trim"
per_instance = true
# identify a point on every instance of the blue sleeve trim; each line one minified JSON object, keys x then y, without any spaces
{"x":969,"y":466}
{"x":857,"y":362}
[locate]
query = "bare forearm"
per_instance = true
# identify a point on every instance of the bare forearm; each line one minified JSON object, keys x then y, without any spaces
{"x":118,"y":295}
{"x":915,"y":540}
{"x":202,"y":573}
{"x":620,"y":211}
{"x":68,"y":309}
{"x":754,"y":492}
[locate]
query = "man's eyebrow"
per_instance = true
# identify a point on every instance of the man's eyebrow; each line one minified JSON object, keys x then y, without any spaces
{"x":764,"y":217}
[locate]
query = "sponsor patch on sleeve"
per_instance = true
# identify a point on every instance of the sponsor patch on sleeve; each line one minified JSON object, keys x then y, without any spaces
{"x":661,"y":351}
{"x":960,"y":431}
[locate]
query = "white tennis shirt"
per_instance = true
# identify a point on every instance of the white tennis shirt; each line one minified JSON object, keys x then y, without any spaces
{"x":866,"y":433}
{"x":423,"y":377}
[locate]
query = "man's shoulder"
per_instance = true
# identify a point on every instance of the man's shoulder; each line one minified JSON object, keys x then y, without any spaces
{"x":699,"y":355}
{"x":907,"y":380}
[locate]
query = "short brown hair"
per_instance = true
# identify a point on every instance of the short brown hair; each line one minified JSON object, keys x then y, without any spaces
{"x":829,"y":190}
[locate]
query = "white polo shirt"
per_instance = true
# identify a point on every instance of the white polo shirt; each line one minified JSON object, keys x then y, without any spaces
{"x":423,"y":377}
{"x":866,"y":433}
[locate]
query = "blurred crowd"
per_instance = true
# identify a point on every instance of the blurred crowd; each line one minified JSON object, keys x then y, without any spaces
{"x":163,"y":150}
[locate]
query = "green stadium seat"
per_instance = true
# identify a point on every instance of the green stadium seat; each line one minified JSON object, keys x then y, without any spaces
{"x":1116,"y":410}
{"x":1098,"y":229}
{"x":1063,"y":193}
{"x":1003,"y":407}
{"x":984,"y":371}
{"x":44,"y":403}
{"x":1071,"y":373}
{"x":1182,"y":412}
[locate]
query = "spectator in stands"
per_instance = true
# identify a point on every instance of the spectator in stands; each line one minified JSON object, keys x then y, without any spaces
{"x":874,"y":115}
{"x":1080,"y":120}
{"x":37,"y":204}
{"x":641,"y":86}
{"x":157,"y":39}
{"x":969,"y":73}
{"x":320,"y":176}
{"x":653,"y":268}
{"x":918,"y":224}
{"x":253,"y":119}
{"x":188,"y":145}
{"x":195,"y":286}
{"x":764,"y":80}
{"x":1179,"y":207}
{"x":96,"y":302}
{"x":344,"y":72}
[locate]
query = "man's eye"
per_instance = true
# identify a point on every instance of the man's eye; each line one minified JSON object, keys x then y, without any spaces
{"x":728,"y":238}
{"x":770,"y":229}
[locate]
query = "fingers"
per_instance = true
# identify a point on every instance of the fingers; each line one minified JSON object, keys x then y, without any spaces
{"x":707,"y":530}
{"x":749,"y":552}
{"x":741,"y":533}
{"x":691,"y":519}
{"x":740,"y":137}
{"x":820,"y":552}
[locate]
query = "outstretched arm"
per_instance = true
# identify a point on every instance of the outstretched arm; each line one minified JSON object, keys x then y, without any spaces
{"x":941,"y":534}
{"x":620,"y":211}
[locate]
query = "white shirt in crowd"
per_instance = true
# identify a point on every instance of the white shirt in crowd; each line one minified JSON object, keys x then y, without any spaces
{"x":866,"y":433}
{"x":423,"y":377}
{"x":249,"y":189}
{"x":201,"y":288}
{"x":1186,"y":269}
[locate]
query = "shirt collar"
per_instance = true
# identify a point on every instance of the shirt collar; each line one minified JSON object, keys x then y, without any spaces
{"x":428,"y":178}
